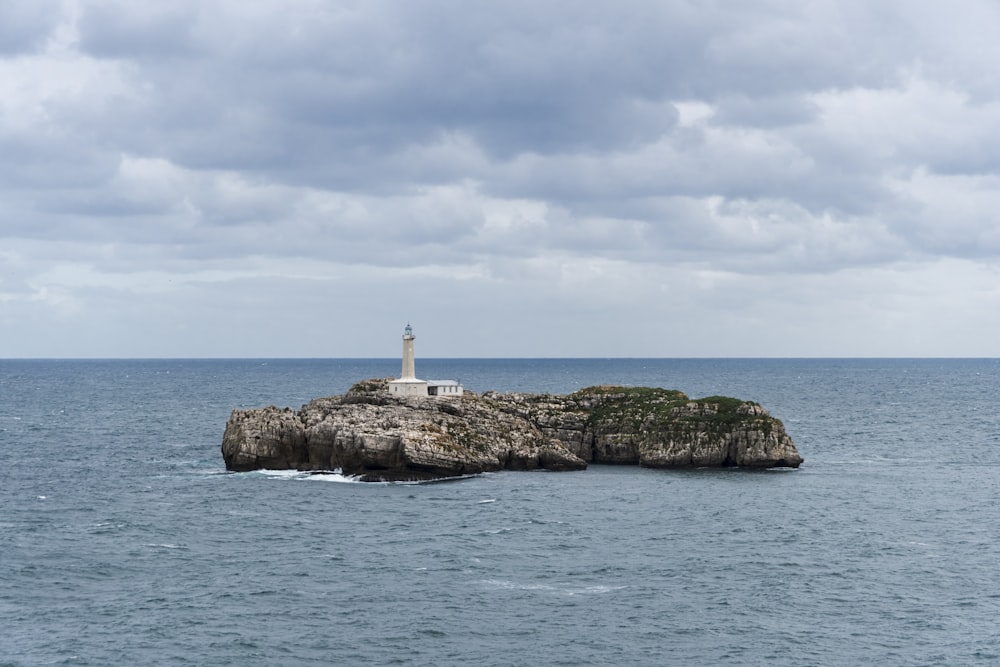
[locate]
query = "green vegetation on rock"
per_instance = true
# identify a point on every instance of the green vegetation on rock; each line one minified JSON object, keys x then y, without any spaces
{"x":649,"y":407}
{"x":630,"y":406}
{"x":372,"y":386}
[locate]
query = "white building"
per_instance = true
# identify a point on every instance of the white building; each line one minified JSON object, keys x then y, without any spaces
{"x":409,"y":385}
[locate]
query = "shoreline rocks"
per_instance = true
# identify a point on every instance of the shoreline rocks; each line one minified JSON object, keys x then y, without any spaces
{"x":378,"y":437}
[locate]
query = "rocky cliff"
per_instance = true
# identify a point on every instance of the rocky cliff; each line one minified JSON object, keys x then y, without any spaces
{"x":371,"y":434}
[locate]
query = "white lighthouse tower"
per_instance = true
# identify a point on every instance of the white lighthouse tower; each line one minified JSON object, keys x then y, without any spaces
{"x":409,"y":385}
{"x":409,"y":371}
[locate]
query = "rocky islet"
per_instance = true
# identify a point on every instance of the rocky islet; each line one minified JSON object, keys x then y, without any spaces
{"x":378,"y":437}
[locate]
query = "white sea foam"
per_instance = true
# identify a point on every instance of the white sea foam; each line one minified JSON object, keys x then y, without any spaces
{"x":280,"y":474}
{"x":517,"y":586}
{"x":599,"y":589}
{"x":337,"y":475}
{"x":487,"y":501}
{"x":319,"y":475}
{"x":556,"y":589}
{"x":334,"y":476}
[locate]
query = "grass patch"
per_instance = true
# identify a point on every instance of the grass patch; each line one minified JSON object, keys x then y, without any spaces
{"x":630,"y":406}
{"x":635,"y":408}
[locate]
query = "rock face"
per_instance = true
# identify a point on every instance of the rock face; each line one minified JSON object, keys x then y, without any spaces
{"x":371,"y":434}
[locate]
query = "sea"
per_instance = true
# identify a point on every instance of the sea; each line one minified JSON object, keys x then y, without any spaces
{"x":124,"y":541}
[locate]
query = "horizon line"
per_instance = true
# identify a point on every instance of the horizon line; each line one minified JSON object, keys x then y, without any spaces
{"x":504,"y":358}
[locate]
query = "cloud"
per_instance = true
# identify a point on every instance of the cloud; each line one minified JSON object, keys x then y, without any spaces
{"x":537,"y":166}
{"x":25,"y":25}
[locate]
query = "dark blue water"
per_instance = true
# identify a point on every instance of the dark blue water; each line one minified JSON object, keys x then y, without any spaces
{"x":124,"y":541}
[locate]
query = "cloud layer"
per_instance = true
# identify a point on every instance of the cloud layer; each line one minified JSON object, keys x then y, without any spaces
{"x":221,"y":178}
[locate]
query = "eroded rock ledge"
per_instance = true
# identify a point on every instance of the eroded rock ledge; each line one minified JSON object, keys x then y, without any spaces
{"x":371,"y":434}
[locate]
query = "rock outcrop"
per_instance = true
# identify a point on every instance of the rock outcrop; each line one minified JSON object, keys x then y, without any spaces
{"x":375,"y":436}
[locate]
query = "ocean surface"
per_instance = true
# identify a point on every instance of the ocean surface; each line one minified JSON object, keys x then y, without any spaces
{"x":123,"y":540}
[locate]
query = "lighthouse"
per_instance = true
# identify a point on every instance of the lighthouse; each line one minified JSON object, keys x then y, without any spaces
{"x":409,"y":385}
{"x":409,"y":372}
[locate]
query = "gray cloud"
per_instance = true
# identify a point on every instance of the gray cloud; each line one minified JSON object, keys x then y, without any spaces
{"x":512,"y":163}
{"x":25,"y":25}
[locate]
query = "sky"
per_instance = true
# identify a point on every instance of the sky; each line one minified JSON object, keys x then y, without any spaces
{"x":302,"y":178}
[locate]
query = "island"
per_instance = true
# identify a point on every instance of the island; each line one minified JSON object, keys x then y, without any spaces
{"x":381,"y":430}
